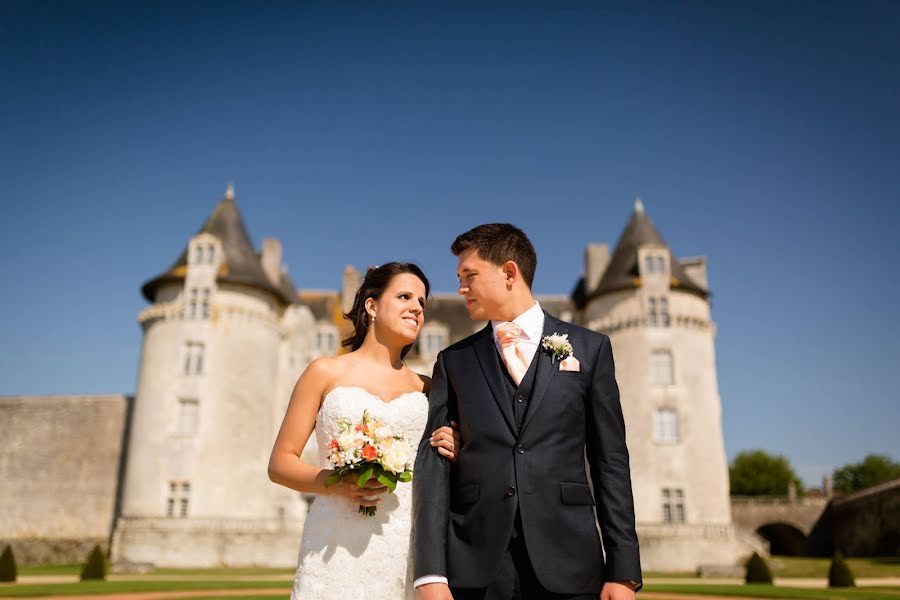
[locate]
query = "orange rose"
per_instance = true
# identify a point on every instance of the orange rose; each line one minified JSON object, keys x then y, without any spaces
{"x":369,"y":452}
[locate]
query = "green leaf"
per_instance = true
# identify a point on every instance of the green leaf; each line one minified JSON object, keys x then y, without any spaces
{"x":332,"y":479}
{"x":385,"y":480}
{"x":365,"y":476}
{"x":405,"y":476}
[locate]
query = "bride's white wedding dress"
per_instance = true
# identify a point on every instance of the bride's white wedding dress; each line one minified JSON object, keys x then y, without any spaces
{"x":345,"y":554}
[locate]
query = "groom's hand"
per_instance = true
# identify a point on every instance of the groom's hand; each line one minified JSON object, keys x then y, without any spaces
{"x":434,"y":591}
{"x":617,"y":590}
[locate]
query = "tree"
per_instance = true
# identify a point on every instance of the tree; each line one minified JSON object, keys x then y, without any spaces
{"x":758,"y":570}
{"x":758,"y":473}
{"x":839,"y":574}
{"x":874,"y":469}
{"x":95,"y":565}
{"x":7,"y":565}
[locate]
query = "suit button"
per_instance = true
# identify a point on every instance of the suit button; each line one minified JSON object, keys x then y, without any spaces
{"x":520,"y":398}
{"x":510,"y":492}
{"x":520,"y":449}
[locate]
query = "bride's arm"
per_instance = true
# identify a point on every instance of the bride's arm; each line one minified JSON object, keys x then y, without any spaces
{"x":285,"y":466}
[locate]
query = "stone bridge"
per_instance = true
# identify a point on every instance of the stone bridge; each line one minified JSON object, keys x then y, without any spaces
{"x":784,"y":521}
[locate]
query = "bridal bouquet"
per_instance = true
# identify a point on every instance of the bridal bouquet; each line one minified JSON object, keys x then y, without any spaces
{"x":369,"y":449}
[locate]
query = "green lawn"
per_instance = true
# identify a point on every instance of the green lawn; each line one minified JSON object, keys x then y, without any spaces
{"x":108,"y":587}
{"x":818,"y":567}
{"x":785,"y":567}
{"x":791,"y":566}
{"x":771,"y":591}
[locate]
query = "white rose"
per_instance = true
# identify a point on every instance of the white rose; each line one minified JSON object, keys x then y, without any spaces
{"x":347,"y":439}
{"x":395,"y":458}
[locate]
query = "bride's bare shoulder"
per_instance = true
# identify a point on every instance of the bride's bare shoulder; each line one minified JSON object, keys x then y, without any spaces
{"x":326,"y":368}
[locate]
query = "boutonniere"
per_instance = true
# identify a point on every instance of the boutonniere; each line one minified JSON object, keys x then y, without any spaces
{"x":558,"y":346}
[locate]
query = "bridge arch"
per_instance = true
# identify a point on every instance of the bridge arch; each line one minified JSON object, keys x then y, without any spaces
{"x":785,"y":539}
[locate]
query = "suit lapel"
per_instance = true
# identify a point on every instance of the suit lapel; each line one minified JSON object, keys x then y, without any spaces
{"x":489,"y":360}
{"x":546,"y":369}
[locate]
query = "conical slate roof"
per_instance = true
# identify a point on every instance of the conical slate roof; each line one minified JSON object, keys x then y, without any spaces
{"x":242,"y":263}
{"x":623,"y":269}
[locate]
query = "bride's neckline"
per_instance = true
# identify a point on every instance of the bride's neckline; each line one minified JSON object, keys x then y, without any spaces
{"x":376,"y":396}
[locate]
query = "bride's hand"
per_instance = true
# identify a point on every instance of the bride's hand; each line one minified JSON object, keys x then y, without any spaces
{"x":365,"y":496}
{"x":446,"y":440}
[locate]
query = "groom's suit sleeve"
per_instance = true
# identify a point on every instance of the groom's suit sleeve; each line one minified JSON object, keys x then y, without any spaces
{"x":610,"y":472}
{"x":431,"y":485}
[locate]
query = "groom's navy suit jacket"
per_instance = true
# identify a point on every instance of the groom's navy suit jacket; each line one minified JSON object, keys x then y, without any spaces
{"x":526,"y":456}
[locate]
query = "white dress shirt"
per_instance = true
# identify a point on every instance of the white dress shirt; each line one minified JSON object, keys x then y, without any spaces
{"x":532,"y":323}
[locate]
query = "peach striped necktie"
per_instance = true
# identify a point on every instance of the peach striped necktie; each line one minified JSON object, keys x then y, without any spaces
{"x":508,"y":335}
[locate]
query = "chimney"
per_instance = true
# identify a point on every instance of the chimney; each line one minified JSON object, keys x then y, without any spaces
{"x":350,"y":286}
{"x":596,"y":259}
{"x":695,"y":267}
{"x":271,"y":259}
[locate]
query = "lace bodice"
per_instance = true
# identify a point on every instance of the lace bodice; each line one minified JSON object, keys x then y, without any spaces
{"x":406,"y":414}
{"x":347,"y":555}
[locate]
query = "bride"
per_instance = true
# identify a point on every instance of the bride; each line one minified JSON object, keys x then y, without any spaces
{"x":344,"y":554}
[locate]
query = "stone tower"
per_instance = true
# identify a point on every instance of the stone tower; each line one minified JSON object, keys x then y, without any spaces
{"x":655,"y":309}
{"x":224,"y":340}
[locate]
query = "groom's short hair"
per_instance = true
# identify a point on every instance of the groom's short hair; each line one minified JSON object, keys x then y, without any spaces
{"x":498,"y":243}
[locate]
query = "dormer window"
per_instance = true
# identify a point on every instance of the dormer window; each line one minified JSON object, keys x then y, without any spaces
{"x":202,"y":251}
{"x":654,"y":263}
{"x":325,"y":340}
{"x":433,"y":339}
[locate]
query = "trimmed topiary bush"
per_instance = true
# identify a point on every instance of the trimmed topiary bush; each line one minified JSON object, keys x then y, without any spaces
{"x":758,"y":570}
{"x":94,"y":566}
{"x":7,"y":565}
{"x":839,"y":573}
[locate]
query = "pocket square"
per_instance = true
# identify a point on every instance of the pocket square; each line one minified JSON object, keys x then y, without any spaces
{"x":570,"y":364}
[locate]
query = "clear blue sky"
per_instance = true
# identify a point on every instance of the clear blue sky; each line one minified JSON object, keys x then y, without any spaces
{"x":764,"y":135}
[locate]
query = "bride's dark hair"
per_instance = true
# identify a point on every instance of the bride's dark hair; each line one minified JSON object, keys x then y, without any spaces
{"x":373,"y":285}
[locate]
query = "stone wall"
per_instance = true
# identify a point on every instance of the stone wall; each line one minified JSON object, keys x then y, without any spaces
{"x":867,"y":523}
{"x":206,"y":543}
{"x":60,"y":464}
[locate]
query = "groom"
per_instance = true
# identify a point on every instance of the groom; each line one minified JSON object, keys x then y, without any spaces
{"x":514,"y":516}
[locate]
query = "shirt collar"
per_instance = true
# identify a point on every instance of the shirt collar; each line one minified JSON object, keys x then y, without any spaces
{"x":531,"y":321}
